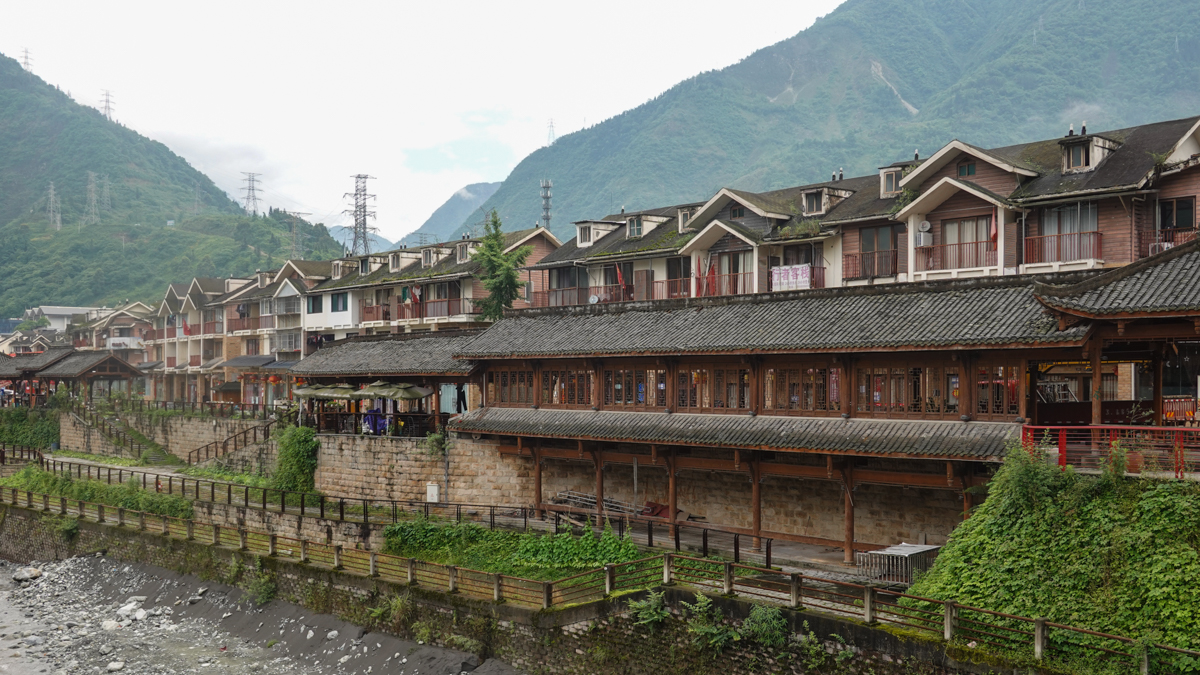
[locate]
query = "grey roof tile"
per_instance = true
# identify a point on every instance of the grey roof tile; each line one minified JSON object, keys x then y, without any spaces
{"x":399,"y":355}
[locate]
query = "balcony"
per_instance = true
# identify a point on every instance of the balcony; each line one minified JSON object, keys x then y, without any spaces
{"x":714,"y":285}
{"x":1058,"y":248}
{"x":673,"y":288}
{"x":124,"y":343}
{"x":796,"y":278}
{"x":956,"y":256}
{"x":214,"y":328}
{"x":375,"y":312}
{"x":171,"y":361}
{"x":1164,"y":240}
{"x":435,"y":309}
{"x":192,"y":329}
{"x":267,"y":321}
{"x":170,"y":332}
{"x":560,"y":297}
{"x":81,"y":344}
{"x":1167,"y":451}
{"x":870,"y":265}
{"x":194,"y":361}
{"x":247,"y":323}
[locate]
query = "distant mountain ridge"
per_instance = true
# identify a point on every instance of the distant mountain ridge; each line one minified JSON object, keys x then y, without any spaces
{"x":345,"y":237}
{"x":462,"y":206}
{"x":867,"y":85}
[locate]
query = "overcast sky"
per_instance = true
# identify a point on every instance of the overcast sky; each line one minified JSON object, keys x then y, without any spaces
{"x":426,"y":97}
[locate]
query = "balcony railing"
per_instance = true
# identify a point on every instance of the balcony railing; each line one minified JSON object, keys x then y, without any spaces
{"x":1168,"y":450}
{"x":266,"y":321}
{"x":214,"y":327}
{"x":870,"y":265}
{"x":1166,"y":239}
{"x":816,"y":279}
{"x":451,"y":307}
{"x":956,"y":256}
{"x":376,"y":313}
{"x":124,"y":343}
{"x":560,"y":297}
{"x":171,"y":362}
{"x":409,"y":425}
{"x":248,"y":323}
{"x":170,"y":332}
{"x":79,"y":344}
{"x":1063,"y":247}
{"x":741,"y":283}
{"x":673,"y":288}
{"x":194,"y":361}
{"x":193,"y":329}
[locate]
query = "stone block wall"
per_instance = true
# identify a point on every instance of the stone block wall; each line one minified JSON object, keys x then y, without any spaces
{"x":180,"y":434}
{"x":74,"y":434}
{"x":256,"y":459}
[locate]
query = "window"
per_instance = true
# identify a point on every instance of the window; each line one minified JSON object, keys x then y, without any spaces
{"x":1071,"y":219}
{"x":315,"y":304}
{"x":635,"y":226}
{"x":364,"y":266}
{"x":427,"y":258}
{"x":266,"y":307}
{"x":510,"y":387}
{"x":339,"y":302}
{"x":881,"y":238}
{"x":287,"y":342}
{"x":908,"y":391}
{"x":803,"y":389}
{"x":635,"y":388}
{"x":679,"y":268}
{"x":251,"y":347}
{"x":288,"y":305}
{"x":1078,"y":156}
{"x":812,"y":202}
{"x":1177,"y":214}
{"x":567,"y":387}
{"x":568,"y":277}
{"x":464,"y":253}
{"x":891,"y":182}
{"x":737,"y":211}
{"x":996,"y":392}
{"x":798,"y":255}
{"x":966,"y":169}
{"x":585,"y":234}
{"x":716,"y":389}
{"x":394,"y":261}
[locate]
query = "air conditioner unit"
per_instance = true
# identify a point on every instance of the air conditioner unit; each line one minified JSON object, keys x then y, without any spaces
{"x":924,"y":239}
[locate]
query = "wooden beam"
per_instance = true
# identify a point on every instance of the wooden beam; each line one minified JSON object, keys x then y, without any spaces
{"x":1097,"y":377}
{"x":756,"y":501}
{"x":671,"y":496}
{"x":598,"y":458}
{"x":848,"y":488}
{"x":537,"y":483}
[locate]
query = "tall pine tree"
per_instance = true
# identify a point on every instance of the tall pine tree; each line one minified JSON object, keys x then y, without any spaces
{"x":499,"y":274}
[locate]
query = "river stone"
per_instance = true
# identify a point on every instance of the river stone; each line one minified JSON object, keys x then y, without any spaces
{"x":110,"y":625}
{"x":331,"y":635}
{"x":115,"y":666}
{"x":141,"y":615}
{"x":26,"y":574}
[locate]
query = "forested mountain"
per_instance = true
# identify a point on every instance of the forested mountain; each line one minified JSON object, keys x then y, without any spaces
{"x":865,"y":86}
{"x":462,"y":206}
{"x":130,"y":251}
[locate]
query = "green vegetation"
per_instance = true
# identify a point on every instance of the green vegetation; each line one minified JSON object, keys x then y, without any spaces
{"x":435,"y":443}
{"x":129,"y":495}
{"x":499,"y":272}
{"x":532,"y":556}
{"x":650,"y":612}
{"x":31,"y":324}
{"x":297,"y":463}
{"x":766,"y":626}
{"x":261,"y":585}
{"x":1107,"y":553}
{"x":20,"y":426}
{"x":989,"y":73}
{"x":224,"y":475}
{"x":131,"y":253}
{"x":707,"y":625}
{"x":99,"y":459}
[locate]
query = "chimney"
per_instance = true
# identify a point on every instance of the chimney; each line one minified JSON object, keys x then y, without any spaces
{"x":832,"y":176}
{"x":916,"y":155}
{"x":622,"y":209}
{"x":1083,"y":129}
{"x":1071,"y":131}
{"x":840,"y":174}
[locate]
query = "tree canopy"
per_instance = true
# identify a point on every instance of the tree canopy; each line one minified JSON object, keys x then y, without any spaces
{"x":499,"y":274}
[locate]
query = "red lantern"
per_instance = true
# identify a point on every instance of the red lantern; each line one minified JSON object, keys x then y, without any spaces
{"x":274,"y":379}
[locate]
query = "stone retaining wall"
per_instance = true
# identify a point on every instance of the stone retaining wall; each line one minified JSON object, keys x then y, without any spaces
{"x":583,"y":639}
{"x":74,"y":434}
{"x":180,"y":434}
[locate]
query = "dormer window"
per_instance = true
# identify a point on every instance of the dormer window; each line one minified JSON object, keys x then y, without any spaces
{"x":585,"y":234}
{"x":427,"y":258}
{"x":364,"y":266}
{"x":737,"y":211}
{"x":1078,"y":156}
{"x":394,"y":261}
{"x":463,"y":253}
{"x":812,"y":202}
{"x":891,"y":182}
{"x":966,"y":169}
{"x":635,"y":226}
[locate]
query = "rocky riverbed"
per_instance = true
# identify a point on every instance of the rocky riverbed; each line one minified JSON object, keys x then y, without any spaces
{"x":96,"y":615}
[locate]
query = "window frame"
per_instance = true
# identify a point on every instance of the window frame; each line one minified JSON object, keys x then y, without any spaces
{"x":966,"y":168}
{"x":737,"y":211}
{"x":572,"y":382}
{"x":703,"y":387}
{"x":584,"y":235}
{"x":334,"y":303}
{"x":510,"y":387}
{"x":801,"y":389}
{"x":463,"y":253}
{"x":1174,"y":202}
{"x":618,"y":379}
{"x":316,"y":304}
{"x":1085,"y":152}
{"x":819,"y":196}
{"x":634,"y":227}
{"x":427,"y":258}
{"x":894,"y":177}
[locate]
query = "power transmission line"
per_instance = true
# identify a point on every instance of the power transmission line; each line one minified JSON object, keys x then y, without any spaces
{"x":105,"y":194}
{"x":53,"y":209}
{"x":546,"y":185}
{"x":251,"y":198}
{"x":550,"y":137}
{"x":27,"y":62}
{"x":297,"y":240}
{"x":109,"y":106}
{"x":362,"y":231}
{"x":90,"y":215}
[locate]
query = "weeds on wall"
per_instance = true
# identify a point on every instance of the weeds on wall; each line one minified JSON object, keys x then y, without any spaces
{"x":261,"y":584}
{"x":22,"y":426}
{"x":296,"y":465}
{"x":128,"y":495}
{"x":707,"y":625}
{"x":650,"y":612}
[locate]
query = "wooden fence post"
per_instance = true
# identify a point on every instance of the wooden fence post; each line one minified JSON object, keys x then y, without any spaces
{"x":45,"y":502}
{"x":304,"y":550}
{"x":62,"y":505}
{"x":120,"y":516}
{"x":271,"y":545}
{"x":412,"y":571}
{"x":668,"y":571}
{"x":797,"y":603}
{"x":242,"y":539}
{"x":610,"y":579}
{"x":948,"y":620}
{"x":1039,"y":638}
{"x":374,"y":564}
{"x":216,"y":539}
{"x":497,"y":588}
{"x":166,"y":527}
{"x":99,"y":513}
{"x":728,"y":579}
{"x":452,"y":578}
{"x":547,"y":594}
{"x":141,"y":521}
{"x":337,"y":557}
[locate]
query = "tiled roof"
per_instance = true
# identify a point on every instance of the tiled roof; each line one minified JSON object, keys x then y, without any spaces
{"x":313,"y":268}
{"x":18,"y":365}
{"x":390,"y":356}
{"x":900,"y":438}
{"x":940,"y":315}
{"x":251,"y":361}
{"x":864,"y":203}
{"x":1167,"y":282}
{"x":663,"y":239}
{"x":76,"y":364}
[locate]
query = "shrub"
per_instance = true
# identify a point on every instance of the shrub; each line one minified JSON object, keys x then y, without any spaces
{"x":707,"y":625}
{"x":297,"y":463}
{"x":261,"y":586}
{"x":650,"y":612}
{"x":129,"y":495}
{"x":21,"y":426}
{"x":766,"y":626}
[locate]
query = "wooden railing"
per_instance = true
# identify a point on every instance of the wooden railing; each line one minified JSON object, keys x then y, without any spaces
{"x":870,"y":265}
{"x":1162,"y":240}
{"x":673,"y":288}
{"x":247,"y":323}
{"x":267,"y":321}
{"x":242,"y":439}
{"x":1063,"y":247}
{"x":194,"y":360}
{"x":971,"y":628}
{"x":956,"y":256}
{"x":560,"y":297}
{"x":171,"y":361}
{"x":170,"y":330}
{"x":207,"y":408}
{"x":193,"y":329}
{"x":741,"y":283}
{"x":1164,"y":450}
{"x":214,"y":328}
{"x":432,"y":309}
{"x":399,"y":425}
{"x":374,"y":312}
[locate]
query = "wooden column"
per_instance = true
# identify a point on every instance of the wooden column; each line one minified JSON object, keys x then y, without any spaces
{"x":670,"y":459}
{"x":848,"y":485}
{"x":1157,"y":364}
{"x":756,"y":500}
{"x":846,"y":385}
{"x":598,"y":459}
{"x":967,"y":385}
{"x":1025,"y":391}
{"x":1097,"y":402}
{"x":537,"y":481}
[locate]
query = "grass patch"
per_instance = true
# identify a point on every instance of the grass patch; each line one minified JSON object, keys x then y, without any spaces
{"x":99,"y":459}
{"x":224,"y":475}
{"x":129,"y":495}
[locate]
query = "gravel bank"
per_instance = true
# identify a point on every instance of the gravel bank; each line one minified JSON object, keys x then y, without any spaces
{"x":96,"y":615}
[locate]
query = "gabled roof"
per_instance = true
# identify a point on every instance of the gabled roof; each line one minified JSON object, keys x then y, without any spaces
{"x":1011,"y":164}
{"x":716,"y":230}
{"x":308,"y":269}
{"x":942,"y":315}
{"x":865,"y":204}
{"x":80,"y":364}
{"x":391,"y":355}
{"x":20,"y":365}
{"x":1164,"y":284}
{"x":827,"y":435}
{"x":946,"y":188}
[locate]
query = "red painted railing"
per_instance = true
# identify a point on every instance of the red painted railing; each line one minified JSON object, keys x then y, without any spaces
{"x":266,"y":321}
{"x":376,"y":312}
{"x":1157,"y":242}
{"x":956,"y":256}
{"x":170,"y":332}
{"x":870,"y":265}
{"x":673,"y":288}
{"x":1063,"y":247}
{"x":193,"y":329}
{"x":213,"y":327}
{"x":248,"y":323}
{"x":1173,"y":450}
{"x":741,"y":283}
{"x":170,"y":361}
{"x":194,"y":361}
